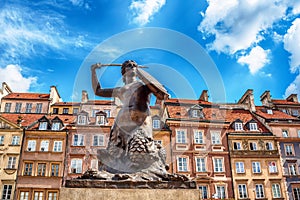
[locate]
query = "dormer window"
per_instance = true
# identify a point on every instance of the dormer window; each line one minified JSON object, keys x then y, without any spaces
{"x":43,"y":125}
{"x":270,"y":111}
{"x":238,"y":125}
{"x":101,"y":118}
{"x":82,"y":118}
{"x":156,"y":123}
{"x":196,"y":112}
{"x":57,"y":124}
{"x":253,"y":126}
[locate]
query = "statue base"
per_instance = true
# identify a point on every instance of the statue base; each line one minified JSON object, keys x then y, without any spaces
{"x":132,"y":194}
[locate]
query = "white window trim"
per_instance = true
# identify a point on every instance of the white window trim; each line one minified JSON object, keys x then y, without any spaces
{"x":187,"y":164}
{"x":216,"y":137}
{"x":44,"y":145}
{"x":217,"y":167}
{"x":201,"y":168}
{"x":184,"y":134}
{"x":198,"y":133}
{"x":76,"y":164}
{"x":97,"y":137}
{"x":57,"y":146}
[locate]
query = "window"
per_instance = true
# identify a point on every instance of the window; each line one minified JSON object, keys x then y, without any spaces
{"x":98,"y":140}
{"x":272,"y":167}
{"x":24,"y":195}
{"x":200,"y":165}
{"x":76,"y":166}
{"x":181,"y":136}
{"x":182,"y":164}
{"x":28,"y":107}
{"x":285,"y":133}
{"x":75,"y":110}
{"x":44,"y":145}
{"x":239,"y":167}
{"x":256,"y":167}
{"x":54,"y":169}
{"x":7,"y":107}
{"x":215,"y":138}
{"x":292,"y":169}
{"x":253,"y":146}
{"x":65,"y":110}
{"x":238,"y":126}
{"x":107,"y":111}
{"x":289,"y":150}
{"x":38,"y":195}
{"x":253,"y":126}
{"x":81,"y":120}
{"x":218,"y":164}
{"x":11,"y":162}
{"x":221,"y":192}
{"x":27,"y":169}
{"x":269,"y":146}
{"x":100,"y":120}
{"x":57,"y":146}
{"x":41,"y":170}
{"x":94,"y":164}
{"x":295,"y":112}
{"x":298,"y":133}
{"x":276,"y":190}
{"x":43,"y":125}
{"x":15,"y":140}
{"x":94,"y":113}
{"x":269,"y":111}
{"x":38,"y":108}
{"x":156,"y":123}
{"x":18,"y":107}
{"x":296,"y":192}
{"x":6,"y":192}
{"x":259,"y":191}
{"x":52,"y":195}
{"x":55,"y":110}
{"x":56,"y":126}
{"x":78,"y":140}
{"x":242,"y":191}
{"x":198,"y":137}
{"x":237,"y":146}
{"x":197,"y":113}
{"x":31,"y":145}
{"x":1,"y":139}
{"x":203,"y":191}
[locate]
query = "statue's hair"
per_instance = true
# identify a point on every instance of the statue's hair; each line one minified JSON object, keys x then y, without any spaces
{"x":128,"y":64}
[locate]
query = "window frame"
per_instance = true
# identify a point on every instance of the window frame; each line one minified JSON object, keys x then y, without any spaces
{"x":18,"y":107}
{"x":28,"y":107}
{"x":200,"y":164}
{"x":38,"y":108}
{"x":277,"y":192}
{"x":97,"y":140}
{"x":80,"y":140}
{"x":238,"y":126}
{"x":28,"y":169}
{"x":218,"y":165}
{"x":15,"y":140}
{"x":181,"y":136}
{"x":11,"y":162}
{"x":7,"y":107}
{"x":44,"y":144}
{"x":7,"y":190}
{"x":243,"y":193}
{"x":289,"y":152}
{"x":31,"y":145}
{"x":216,"y":138}
{"x":76,"y":163}
{"x":182,"y":164}
{"x":198,"y":136}
{"x":259,"y":194}
{"x":156,"y":123}
{"x":256,"y":167}
{"x":57,"y":146}
{"x":41,"y":169}
{"x":239,"y":167}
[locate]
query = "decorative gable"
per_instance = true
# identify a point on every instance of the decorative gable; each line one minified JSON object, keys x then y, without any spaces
{"x":5,"y":124}
{"x":57,"y":124}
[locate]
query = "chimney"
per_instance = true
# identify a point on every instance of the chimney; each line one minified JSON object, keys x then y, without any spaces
{"x":248,"y":100}
{"x":265,"y":99}
{"x":203,"y":96}
{"x":84,"y":96}
{"x":292,"y":98}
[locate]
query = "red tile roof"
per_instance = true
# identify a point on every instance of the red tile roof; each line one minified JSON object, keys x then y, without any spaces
{"x":67,"y":104}
{"x":101,"y":102}
{"x":276,"y":114}
{"x":27,"y":119}
{"x":32,"y":96}
{"x":284,"y":102}
{"x":187,"y":101}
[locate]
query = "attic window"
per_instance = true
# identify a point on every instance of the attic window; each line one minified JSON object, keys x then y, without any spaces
{"x":270,"y":111}
{"x":43,"y":125}
{"x":81,"y":120}
{"x":56,"y":126}
{"x":155,"y":123}
{"x":253,"y":126}
{"x":238,"y":126}
{"x":100,"y":120}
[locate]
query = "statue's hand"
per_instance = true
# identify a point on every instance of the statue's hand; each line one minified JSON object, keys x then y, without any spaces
{"x":95,"y":66}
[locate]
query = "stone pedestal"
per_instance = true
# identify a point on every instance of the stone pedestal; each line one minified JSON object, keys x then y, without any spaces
{"x":128,"y":194}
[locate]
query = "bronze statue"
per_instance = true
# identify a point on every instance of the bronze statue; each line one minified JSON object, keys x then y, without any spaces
{"x":131,"y":148}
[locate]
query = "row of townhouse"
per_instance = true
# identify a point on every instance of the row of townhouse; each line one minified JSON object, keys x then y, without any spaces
{"x":239,"y":150}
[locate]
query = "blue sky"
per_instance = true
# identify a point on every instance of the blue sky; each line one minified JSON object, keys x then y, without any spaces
{"x":252,"y":44}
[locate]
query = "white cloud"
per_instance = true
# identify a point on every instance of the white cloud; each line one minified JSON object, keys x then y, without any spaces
{"x":294,"y":87}
{"x":239,"y":24}
{"x":25,"y":33}
{"x":292,"y":45}
{"x":15,"y":79}
{"x":143,"y":10}
{"x":256,"y":59}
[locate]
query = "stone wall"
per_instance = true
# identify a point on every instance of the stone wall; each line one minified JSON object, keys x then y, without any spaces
{"x":128,"y":194}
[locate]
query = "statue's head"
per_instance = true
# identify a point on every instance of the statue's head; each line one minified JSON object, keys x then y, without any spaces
{"x":128,"y":71}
